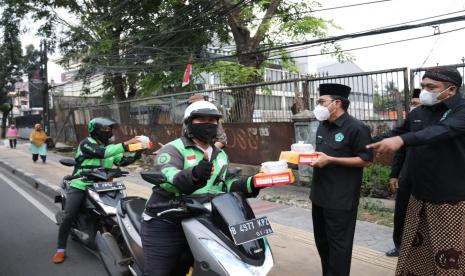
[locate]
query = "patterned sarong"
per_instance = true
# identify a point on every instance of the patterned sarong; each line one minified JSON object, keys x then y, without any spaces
{"x":433,"y":242}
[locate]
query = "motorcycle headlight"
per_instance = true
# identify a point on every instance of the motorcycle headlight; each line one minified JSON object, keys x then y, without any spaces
{"x":110,"y":210}
{"x":233,"y":264}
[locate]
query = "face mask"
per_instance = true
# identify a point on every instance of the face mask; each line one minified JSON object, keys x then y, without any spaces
{"x":103,"y":136}
{"x":322,"y":113}
{"x":205,"y":132}
{"x":430,"y":98}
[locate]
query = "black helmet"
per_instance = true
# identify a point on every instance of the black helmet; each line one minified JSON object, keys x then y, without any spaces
{"x":95,"y":128}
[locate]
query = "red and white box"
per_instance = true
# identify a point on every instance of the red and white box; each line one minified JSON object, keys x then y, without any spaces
{"x":273,"y":179}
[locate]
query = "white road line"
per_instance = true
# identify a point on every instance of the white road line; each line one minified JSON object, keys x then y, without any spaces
{"x":29,"y":198}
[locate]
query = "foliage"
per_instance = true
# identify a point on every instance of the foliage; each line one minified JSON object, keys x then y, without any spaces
{"x":375,"y":181}
{"x":264,"y":24}
{"x":387,"y":100}
{"x":11,"y":59}
{"x":373,"y":211}
{"x":233,"y":73}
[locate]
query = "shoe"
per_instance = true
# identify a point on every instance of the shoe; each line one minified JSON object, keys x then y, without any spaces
{"x":393,"y":253}
{"x":58,"y":258}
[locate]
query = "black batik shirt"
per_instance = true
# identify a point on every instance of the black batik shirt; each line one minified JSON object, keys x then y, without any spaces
{"x":335,"y":186}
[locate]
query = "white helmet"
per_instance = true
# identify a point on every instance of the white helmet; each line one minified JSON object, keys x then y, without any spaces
{"x":201,"y":109}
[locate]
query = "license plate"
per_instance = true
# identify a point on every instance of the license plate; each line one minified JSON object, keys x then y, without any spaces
{"x":250,"y":230}
{"x":108,"y":186}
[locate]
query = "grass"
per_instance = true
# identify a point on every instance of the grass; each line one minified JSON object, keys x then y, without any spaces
{"x":374,"y":212}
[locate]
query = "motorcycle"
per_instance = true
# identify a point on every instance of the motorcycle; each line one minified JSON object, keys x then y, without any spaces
{"x":223,"y":234}
{"x":98,"y":212}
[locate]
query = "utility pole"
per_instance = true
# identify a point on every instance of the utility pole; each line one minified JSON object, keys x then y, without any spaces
{"x":45,"y":100}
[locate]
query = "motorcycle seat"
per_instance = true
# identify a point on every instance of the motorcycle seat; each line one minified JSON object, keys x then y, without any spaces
{"x":134,"y":209}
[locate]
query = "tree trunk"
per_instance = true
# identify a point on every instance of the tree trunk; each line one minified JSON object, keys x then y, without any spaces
{"x":118,"y":86}
{"x":244,"y":105}
{"x":4,"y":118}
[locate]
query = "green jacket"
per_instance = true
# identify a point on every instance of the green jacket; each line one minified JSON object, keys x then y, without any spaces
{"x":176,"y":160}
{"x":91,"y":155}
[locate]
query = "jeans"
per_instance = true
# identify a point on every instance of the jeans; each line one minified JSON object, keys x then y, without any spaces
{"x":12,"y":143}
{"x":74,"y":200}
{"x":35,"y":157}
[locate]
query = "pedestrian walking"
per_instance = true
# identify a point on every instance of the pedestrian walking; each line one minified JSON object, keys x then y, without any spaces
{"x":38,"y":140}
{"x":12,"y":135}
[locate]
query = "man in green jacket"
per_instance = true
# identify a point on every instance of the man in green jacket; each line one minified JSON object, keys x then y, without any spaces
{"x":94,"y":151}
{"x":191,"y":165}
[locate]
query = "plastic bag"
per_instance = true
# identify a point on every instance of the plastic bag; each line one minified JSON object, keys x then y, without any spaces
{"x":301,"y":147}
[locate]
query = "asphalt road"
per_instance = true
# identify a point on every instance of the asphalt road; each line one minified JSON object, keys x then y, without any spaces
{"x":28,"y":235}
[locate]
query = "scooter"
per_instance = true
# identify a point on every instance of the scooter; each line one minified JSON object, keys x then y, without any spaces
{"x":98,"y":213}
{"x":223,"y":234}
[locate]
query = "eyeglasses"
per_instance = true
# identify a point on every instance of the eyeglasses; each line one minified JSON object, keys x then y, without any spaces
{"x":322,"y":101}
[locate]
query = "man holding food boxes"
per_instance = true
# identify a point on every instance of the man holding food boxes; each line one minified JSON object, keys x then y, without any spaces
{"x":337,"y":176}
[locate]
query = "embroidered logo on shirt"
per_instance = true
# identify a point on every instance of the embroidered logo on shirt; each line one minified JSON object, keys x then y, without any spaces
{"x":339,"y":137}
{"x":191,"y":160}
{"x":163,"y":158}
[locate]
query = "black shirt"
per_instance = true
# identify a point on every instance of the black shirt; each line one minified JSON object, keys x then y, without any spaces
{"x":435,"y":140}
{"x":335,"y":186}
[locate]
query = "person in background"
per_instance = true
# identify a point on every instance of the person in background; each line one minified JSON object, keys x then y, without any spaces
{"x":38,"y":140}
{"x":96,"y":150}
{"x":12,"y":135}
{"x":337,"y":177}
{"x":221,"y":139}
{"x":401,"y":186}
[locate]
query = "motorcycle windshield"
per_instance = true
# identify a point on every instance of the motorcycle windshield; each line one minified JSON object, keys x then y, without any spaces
{"x":231,"y":209}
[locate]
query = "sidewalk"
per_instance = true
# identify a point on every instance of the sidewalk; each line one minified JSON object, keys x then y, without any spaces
{"x":293,"y":244}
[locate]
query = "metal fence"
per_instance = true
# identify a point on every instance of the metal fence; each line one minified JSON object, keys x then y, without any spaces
{"x":377,"y":95}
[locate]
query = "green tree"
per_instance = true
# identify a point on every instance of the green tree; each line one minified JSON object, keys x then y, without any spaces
{"x":261,"y":24}
{"x":10,"y":54}
{"x":135,"y":43}
{"x":390,"y":99}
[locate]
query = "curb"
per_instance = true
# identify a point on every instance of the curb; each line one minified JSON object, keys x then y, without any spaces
{"x":34,"y":181}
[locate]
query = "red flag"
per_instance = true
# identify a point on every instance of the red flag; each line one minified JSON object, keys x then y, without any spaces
{"x":187,"y":74}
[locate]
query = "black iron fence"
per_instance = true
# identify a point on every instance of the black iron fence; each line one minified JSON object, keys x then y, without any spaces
{"x":377,"y":95}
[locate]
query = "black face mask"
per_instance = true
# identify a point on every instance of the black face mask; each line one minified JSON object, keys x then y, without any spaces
{"x":103,"y":136}
{"x":205,"y":132}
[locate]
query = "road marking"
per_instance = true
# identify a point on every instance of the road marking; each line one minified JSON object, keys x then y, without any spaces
{"x":29,"y":198}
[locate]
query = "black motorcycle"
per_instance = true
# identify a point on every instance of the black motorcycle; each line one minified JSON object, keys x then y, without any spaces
{"x":98,"y":212}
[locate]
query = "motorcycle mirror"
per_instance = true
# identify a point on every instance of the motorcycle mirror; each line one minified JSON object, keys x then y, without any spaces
{"x":155,"y":178}
{"x":68,"y":162}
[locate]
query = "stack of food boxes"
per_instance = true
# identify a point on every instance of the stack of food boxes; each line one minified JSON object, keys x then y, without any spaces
{"x":300,"y":154}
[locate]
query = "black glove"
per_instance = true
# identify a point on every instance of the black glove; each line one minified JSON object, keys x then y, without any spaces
{"x":202,"y":172}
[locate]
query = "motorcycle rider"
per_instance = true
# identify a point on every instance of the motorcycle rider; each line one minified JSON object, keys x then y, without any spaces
{"x":191,"y":164}
{"x":94,"y":151}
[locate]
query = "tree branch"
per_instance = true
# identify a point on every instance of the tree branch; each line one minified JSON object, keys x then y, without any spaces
{"x":264,"y":25}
